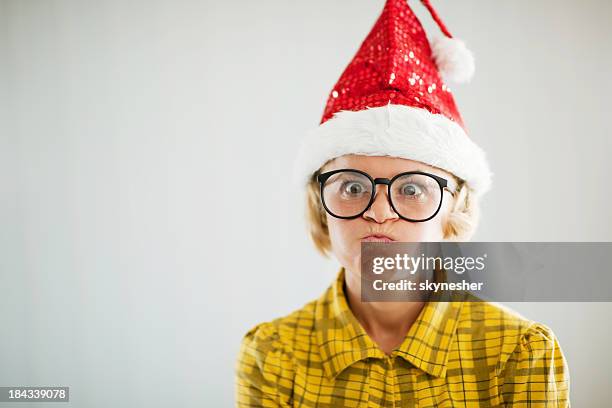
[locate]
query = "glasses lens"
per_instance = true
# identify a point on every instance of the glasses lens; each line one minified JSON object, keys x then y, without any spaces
{"x":347,"y":193}
{"x":416,"y":196}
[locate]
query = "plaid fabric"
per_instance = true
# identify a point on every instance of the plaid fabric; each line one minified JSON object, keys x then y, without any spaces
{"x":456,"y":354}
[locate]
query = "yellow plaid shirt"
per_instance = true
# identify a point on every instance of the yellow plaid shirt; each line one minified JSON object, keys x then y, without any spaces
{"x":456,"y":354}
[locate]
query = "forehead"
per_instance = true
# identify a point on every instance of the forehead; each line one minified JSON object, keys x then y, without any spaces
{"x":383,"y":166}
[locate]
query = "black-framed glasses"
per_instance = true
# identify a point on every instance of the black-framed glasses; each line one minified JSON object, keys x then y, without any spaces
{"x":414,"y":195}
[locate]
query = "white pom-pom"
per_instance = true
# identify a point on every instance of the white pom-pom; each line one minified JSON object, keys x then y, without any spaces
{"x":455,"y":62}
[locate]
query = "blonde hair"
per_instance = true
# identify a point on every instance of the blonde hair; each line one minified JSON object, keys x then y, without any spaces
{"x":459,"y":225}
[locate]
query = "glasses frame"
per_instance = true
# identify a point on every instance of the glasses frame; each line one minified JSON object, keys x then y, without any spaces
{"x":442,"y":182}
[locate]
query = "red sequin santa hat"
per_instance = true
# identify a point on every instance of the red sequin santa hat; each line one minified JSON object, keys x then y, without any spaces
{"x":392,"y":100}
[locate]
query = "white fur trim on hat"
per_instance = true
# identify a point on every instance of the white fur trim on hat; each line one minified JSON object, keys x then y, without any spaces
{"x":396,"y":131}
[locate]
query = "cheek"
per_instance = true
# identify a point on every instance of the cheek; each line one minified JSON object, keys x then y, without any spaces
{"x":433,"y":230}
{"x":340,"y":231}
{"x":344,"y":237}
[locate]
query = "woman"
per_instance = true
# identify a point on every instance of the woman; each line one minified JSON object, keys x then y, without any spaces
{"x":391,"y":161}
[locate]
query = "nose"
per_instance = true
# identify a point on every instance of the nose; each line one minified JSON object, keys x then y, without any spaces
{"x":380,"y":210}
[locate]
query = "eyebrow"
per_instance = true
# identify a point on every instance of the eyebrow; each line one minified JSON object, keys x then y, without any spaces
{"x":403,"y":171}
{"x":450,"y":182}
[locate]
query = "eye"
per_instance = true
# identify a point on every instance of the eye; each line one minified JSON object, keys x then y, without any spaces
{"x":411,"y":189}
{"x":353,"y":188}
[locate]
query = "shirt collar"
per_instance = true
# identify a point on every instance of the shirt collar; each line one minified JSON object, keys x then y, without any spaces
{"x":343,"y":341}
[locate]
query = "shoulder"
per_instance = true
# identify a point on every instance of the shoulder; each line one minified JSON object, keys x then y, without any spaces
{"x":283,"y":334}
{"x":265,"y":368}
{"x":502,"y":331}
{"x":526,"y":357}
{"x":489,"y":316}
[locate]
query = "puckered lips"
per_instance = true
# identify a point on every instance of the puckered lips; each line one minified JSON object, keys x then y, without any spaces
{"x":377,"y":238}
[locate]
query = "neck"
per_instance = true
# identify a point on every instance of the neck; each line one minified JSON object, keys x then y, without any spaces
{"x":381,"y":320}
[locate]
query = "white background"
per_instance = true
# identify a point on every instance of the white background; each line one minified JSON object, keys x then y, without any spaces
{"x":147,"y":220}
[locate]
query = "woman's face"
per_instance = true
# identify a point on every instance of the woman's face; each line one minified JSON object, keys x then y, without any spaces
{"x":380,"y":219}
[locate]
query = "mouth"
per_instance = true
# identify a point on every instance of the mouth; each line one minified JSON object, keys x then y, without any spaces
{"x":377,"y":238}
